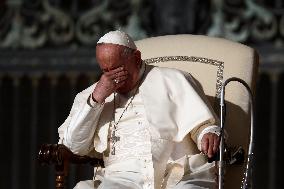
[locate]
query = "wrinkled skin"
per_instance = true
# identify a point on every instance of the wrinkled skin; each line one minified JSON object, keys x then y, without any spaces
{"x":210,"y":144}
{"x":116,"y":67}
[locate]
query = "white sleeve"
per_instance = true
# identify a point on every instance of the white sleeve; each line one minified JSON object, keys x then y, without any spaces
{"x":77,"y":132}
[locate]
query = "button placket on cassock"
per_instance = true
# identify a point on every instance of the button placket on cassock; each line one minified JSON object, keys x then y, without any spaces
{"x":135,"y":139}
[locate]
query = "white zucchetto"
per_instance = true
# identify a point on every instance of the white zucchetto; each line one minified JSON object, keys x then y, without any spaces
{"x":118,"y":37}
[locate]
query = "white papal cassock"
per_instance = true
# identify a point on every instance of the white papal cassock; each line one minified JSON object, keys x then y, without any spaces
{"x":155,"y":149}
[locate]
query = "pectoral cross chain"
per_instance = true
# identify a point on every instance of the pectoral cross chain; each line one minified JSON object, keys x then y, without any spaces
{"x":114,"y":139}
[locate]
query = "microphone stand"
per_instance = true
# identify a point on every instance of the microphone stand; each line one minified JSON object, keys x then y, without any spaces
{"x":246,"y":182}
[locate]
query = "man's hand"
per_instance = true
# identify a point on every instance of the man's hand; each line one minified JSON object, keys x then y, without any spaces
{"x":210,"y":144}
{"x":108,"y":83}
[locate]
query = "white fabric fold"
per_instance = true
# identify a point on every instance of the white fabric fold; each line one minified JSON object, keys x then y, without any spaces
{"x":76,"y":130}
{"x":172,"y":108}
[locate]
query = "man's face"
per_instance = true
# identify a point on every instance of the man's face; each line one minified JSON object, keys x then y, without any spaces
{"x":111,"y":56}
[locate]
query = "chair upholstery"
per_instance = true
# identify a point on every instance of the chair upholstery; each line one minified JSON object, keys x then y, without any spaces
{"x":211,"y":61}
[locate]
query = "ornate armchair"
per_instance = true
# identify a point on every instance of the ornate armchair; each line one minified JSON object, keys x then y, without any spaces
{"x":211,"y":61}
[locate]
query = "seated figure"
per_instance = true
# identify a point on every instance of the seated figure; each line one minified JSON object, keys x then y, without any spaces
{"x":138,"y":118}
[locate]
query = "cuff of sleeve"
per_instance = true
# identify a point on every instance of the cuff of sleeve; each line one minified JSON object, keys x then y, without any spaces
{"x":211,"y":129}
{"x":92,"y":103}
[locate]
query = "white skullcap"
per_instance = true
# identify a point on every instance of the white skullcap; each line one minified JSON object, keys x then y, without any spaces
{"x":118,"y":37}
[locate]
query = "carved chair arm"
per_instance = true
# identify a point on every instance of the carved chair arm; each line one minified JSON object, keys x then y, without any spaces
{"x":60,"y":156}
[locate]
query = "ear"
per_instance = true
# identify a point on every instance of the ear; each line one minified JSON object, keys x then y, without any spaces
{"x":137,"y":55}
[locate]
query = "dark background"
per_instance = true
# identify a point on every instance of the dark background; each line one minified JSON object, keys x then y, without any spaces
{"x":47,"y":56}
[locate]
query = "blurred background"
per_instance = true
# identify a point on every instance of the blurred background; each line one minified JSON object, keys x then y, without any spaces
{"x":47,"y":55}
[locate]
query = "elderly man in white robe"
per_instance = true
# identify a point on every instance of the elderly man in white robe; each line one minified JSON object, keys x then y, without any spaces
{"x":152,"y":126}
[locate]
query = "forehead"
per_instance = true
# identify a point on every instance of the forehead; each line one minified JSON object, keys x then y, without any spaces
{"x":106,"y":49}
{"x":109,"y":55}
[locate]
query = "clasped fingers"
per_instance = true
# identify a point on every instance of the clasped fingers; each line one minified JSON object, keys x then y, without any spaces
{"x":109,"y":82}
{"x":116,"y":72}
{"x":210,"y":144}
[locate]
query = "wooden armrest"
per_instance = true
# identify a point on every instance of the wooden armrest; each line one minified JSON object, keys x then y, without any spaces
{"x":60,"y":156}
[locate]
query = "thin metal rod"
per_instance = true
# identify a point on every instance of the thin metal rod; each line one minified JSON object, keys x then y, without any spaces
{"x":221,"y":147}
{"x":248,"y":171}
